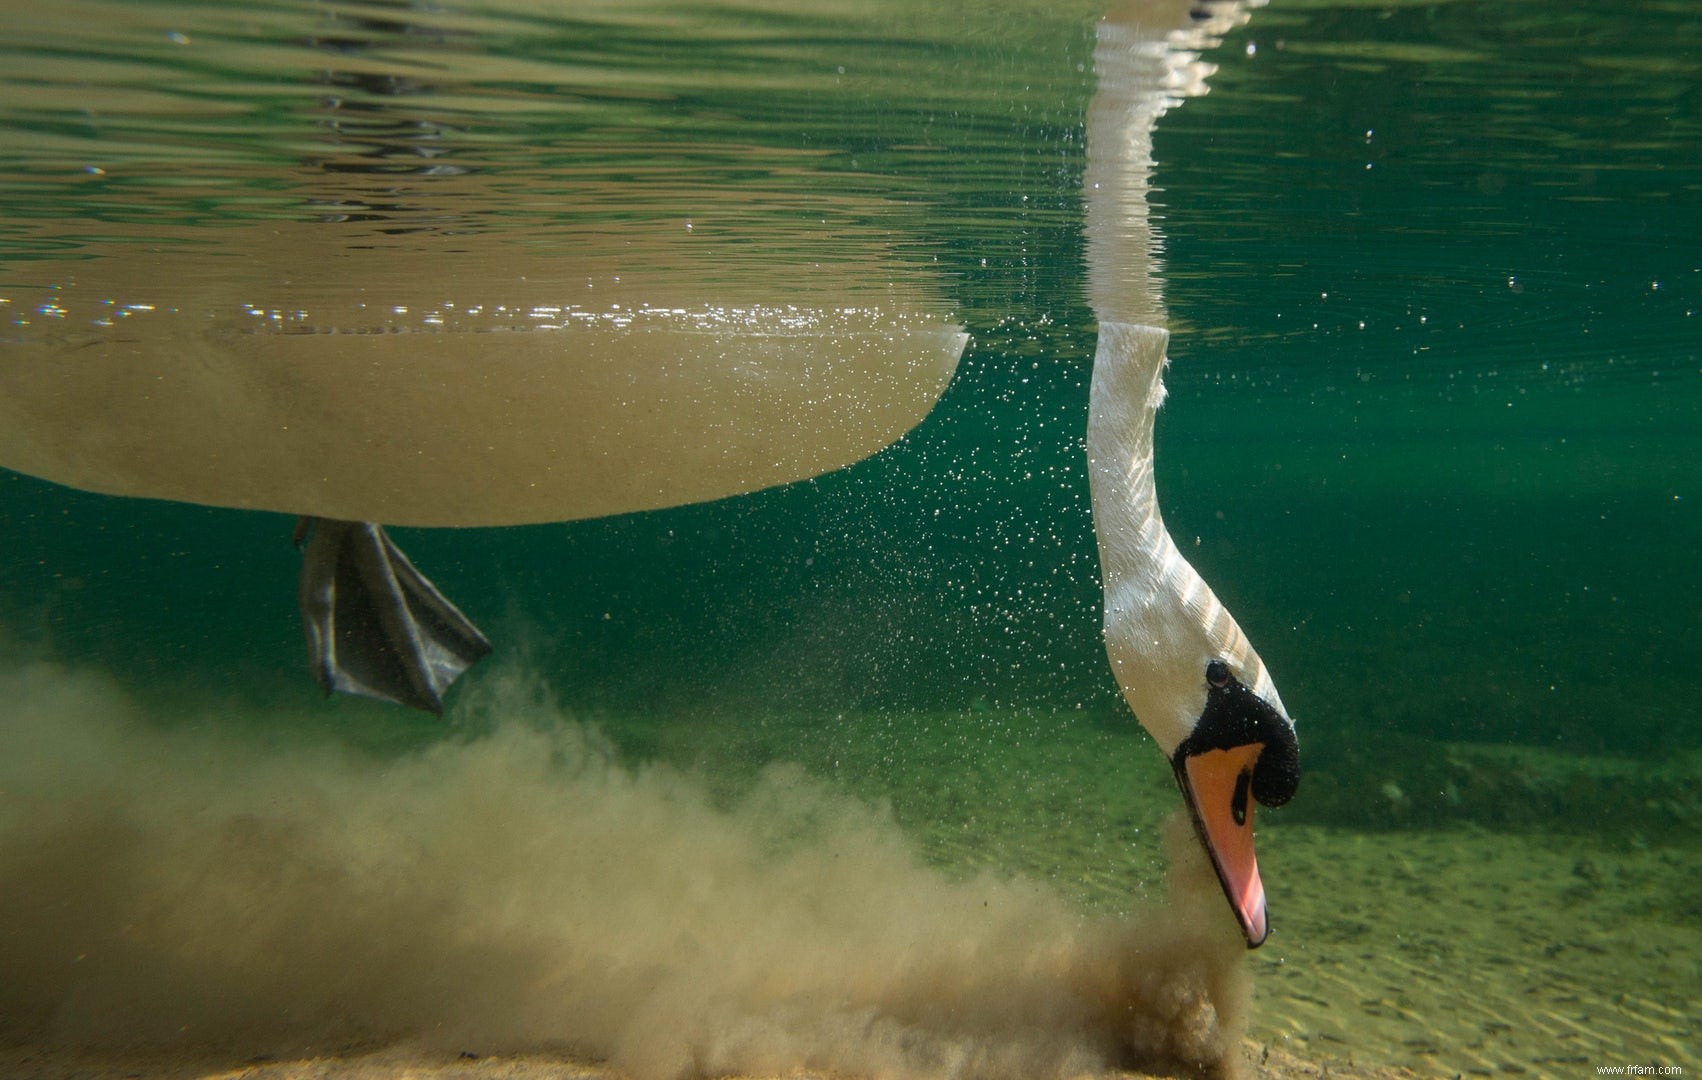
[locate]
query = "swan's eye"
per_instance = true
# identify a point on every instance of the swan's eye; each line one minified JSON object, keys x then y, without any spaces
{"x":1217,"y":674}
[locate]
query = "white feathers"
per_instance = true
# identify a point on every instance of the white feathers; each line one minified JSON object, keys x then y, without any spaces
{"x":1162,"y":622}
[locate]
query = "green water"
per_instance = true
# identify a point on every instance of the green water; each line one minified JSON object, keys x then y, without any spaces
{"x":1433,"y":432}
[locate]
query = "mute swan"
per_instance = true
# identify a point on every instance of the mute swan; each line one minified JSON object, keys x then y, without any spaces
{"x":1185,"y":668}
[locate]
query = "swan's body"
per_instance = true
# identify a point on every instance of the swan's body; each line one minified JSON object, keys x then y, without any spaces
{"x":489,"y":380}
{"x":1185,"y":668}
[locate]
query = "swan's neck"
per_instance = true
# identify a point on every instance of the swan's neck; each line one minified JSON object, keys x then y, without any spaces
{"x":1162,"y":622}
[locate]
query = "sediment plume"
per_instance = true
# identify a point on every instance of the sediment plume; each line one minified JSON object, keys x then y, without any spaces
{"x":523,"y":888}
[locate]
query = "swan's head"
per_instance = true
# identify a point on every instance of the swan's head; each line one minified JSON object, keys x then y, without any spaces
{"x":1241,"y":749}
{"x":1206,"y":698}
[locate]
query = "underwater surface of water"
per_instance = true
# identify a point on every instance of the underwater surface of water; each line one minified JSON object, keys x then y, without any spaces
{"x":1433,"y":434}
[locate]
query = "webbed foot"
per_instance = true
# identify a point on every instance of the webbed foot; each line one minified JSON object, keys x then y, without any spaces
{"x":375,"y":625}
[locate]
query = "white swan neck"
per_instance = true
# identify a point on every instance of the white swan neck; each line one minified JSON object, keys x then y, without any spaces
{"x":1163,"y":624}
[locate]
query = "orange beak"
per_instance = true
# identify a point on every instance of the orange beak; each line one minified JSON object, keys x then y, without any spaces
{"x":1217,"y":785}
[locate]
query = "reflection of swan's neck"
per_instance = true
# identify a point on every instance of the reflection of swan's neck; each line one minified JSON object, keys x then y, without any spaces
{"x":1121,"y":249}
{"x":1142,"y":68}
{"x":1162,"y":622}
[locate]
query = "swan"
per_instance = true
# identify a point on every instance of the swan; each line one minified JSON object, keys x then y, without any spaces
{"x":1186,"y":670}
